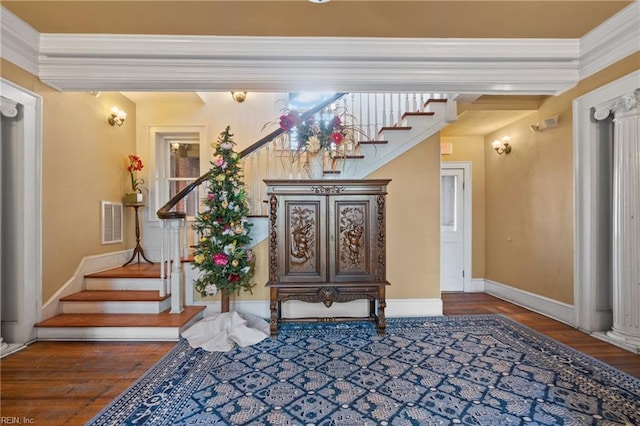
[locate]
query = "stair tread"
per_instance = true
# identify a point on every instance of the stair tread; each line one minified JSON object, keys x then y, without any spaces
{"x":115,"y":296}
{"x":395,"y":128}
{"x":343,"y":157}
{"x":164,"y":319}
{"x":418,"y":113}
{"x":429,"y":101}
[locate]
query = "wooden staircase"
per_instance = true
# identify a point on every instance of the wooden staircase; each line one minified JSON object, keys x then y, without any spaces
{"x":124,"y":303}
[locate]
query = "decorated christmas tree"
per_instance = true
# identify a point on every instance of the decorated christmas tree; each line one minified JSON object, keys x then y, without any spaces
{"x":221,"y":253}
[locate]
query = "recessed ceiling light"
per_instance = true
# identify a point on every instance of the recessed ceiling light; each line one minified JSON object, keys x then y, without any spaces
{"x":319,"y":1}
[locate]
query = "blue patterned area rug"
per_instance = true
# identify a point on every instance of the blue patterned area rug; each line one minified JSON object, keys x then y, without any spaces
{"x":469,"y":370}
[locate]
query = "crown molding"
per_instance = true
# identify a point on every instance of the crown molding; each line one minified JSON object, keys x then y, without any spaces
{"x":19,"y":42}
{"x":130,"y":62}
{"x":615,"y":39}
{"x":303,"y":48}
{"x":97,"y":62}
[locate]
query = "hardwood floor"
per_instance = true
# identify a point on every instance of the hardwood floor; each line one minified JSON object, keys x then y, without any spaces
{"x":67,"y":383}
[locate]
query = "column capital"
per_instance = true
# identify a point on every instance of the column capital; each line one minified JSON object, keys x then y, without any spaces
{"x":8,"y":108}
{"x":622,"y":104}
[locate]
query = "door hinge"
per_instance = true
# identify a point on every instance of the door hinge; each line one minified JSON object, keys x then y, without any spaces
{"x":463,"y":274}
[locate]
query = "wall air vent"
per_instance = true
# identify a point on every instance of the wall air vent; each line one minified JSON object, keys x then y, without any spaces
{"x":111,"y":222}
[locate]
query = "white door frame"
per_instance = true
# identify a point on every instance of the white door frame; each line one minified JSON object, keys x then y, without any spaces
{"x":590,"y":206}
{"x":28,"y":232}
{"x":467,"y":231}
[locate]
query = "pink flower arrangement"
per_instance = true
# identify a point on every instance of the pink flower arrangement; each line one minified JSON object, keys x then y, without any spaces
{"x":220,"y":259}
{"x":219,"y":162}
{"x":316,"y":132}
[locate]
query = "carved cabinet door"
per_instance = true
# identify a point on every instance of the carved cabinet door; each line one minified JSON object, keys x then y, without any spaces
{"x":352,"y":238}
{"x":302,"y":245}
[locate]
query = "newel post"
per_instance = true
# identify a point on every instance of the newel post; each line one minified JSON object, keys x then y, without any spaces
{"x":176,"y":266}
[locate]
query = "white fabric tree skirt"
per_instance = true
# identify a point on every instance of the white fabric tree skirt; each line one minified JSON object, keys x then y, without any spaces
{"x":220,"y":333}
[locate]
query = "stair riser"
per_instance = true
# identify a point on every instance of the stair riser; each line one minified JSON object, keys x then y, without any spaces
{"x":124,"y":284}
{"x":108,"y":307}
{"x":132,"y":334}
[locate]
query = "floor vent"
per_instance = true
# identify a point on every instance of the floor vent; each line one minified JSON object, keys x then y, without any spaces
{"x":111,"y":222}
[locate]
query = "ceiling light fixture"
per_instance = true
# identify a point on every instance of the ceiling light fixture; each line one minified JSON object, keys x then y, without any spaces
{"x":239,"y":97}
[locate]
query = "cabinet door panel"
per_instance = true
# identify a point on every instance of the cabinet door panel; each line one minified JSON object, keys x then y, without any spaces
{"x":351,"y":239}
{"x":303,"y":240}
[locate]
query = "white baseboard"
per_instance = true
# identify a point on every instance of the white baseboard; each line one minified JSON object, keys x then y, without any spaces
{"x":357,"y":308}
{"x":88,"y":265}
{"x":551,"y":308}
{"x":414,"y":308}
{"x":475,"y":286}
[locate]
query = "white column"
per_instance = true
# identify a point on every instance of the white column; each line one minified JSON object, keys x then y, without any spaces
{"x":626,"y":228}
{"x":9,"y":109}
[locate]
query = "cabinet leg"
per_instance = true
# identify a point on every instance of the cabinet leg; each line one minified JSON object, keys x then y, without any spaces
{"x":382,"y":304}
{"x":273,"y":305}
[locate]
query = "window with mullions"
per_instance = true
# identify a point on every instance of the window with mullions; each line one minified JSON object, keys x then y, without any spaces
{"x":183,"y":168}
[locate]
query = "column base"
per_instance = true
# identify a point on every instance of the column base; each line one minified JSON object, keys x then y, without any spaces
{"x":9,"y":348}
{"x":625,"y":342}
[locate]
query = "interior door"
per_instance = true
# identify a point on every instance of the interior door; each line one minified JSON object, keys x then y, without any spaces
{"x":452,"y":230}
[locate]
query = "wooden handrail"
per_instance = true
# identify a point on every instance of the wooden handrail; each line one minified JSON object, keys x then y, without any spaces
{"x":164,"y":211}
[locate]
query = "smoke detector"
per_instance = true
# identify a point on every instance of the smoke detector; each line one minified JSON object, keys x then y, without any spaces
{"x":548,"y":123}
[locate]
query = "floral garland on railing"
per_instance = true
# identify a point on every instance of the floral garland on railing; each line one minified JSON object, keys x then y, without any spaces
{"x":221,"y":253}
{"x":332,"y":130}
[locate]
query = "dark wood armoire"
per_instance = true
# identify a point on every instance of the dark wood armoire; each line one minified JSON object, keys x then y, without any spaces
{"x":327,"y":244}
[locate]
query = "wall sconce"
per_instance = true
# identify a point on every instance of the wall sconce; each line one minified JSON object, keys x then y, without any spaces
{"x":117,"y":116}
{"x":502,"y":145}
{"x":239,"y":97}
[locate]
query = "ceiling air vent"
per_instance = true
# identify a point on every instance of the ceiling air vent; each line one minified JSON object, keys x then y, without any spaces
{"x":111,"y":222}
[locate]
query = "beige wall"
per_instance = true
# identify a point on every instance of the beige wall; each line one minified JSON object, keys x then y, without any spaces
{"x":529,"y":197}
{"x":529,"y":209}
{"x":413,"y":221}
{"x":471,"y":149}
{"x":83,"y":163}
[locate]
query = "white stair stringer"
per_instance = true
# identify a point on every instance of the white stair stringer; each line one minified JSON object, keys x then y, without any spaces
{"x":398,"y":141}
